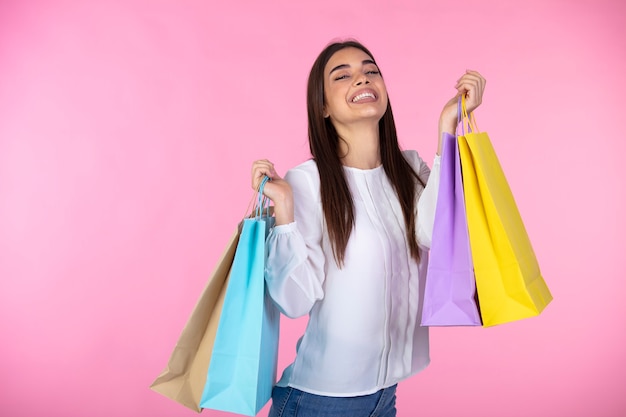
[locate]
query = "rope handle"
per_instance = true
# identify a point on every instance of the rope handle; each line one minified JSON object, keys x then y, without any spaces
{"x":258,"y":202}
{"x":465,"y":120}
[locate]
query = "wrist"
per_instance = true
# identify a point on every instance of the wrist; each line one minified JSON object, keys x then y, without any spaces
{"x":283,"y":211}
{"x":447,"y":123}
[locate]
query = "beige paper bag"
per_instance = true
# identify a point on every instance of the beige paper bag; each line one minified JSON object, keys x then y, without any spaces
{"x":184,"y":377}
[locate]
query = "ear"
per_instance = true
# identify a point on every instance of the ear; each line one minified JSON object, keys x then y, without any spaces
{"x":326,"y":115}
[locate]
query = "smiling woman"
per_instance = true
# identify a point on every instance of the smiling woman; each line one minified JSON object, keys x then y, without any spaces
{"x":353,"y":225}
{"x":355,"y":91}
{"x":123,"y":129}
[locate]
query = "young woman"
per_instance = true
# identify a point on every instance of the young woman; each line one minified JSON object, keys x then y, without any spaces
{"x":353,"y":226}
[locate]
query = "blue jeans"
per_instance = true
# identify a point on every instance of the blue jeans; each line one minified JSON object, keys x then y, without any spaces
{"x":291,"y":402}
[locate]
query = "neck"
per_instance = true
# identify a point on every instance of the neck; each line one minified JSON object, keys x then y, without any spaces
{"x":359,"y":146}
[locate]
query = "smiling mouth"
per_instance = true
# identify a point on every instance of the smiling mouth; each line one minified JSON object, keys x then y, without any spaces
{"x":361,"y":96}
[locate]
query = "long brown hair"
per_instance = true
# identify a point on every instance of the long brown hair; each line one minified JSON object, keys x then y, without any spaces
{"x":337,"y":201}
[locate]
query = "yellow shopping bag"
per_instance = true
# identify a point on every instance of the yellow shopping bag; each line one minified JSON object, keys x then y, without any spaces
{"x":508,"y":280}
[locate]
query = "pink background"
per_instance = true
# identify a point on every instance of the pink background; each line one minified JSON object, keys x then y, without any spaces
{"x":127,"y":130}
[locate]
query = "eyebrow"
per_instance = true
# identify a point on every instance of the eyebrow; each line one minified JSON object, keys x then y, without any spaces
{"x":343,"y":66}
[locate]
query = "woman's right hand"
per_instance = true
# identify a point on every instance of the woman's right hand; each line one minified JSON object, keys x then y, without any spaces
{"x":277,"y":190}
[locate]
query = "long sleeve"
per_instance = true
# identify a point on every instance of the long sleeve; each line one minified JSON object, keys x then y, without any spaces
{"x":427,"y":200}
{"x":377,"y":292}
{"x":294,"y":270}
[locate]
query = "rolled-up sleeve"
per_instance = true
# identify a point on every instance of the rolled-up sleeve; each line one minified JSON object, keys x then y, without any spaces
{"x":294,"y":270}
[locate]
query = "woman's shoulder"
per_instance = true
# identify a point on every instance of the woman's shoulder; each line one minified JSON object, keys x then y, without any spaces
{"x":304,"y":177}
{"x":413,"y":158}
{"x":307,"y":167}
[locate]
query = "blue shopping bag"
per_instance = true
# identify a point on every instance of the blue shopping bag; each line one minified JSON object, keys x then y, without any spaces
{"x":242,"y":371}
{"x":450,"y":294}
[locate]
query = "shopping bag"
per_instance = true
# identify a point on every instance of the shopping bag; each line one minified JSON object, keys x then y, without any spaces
{"x":242,"y":371}
{"x":508,"y":280}
{"x":185,"y":374}
{"x":450,"y":294}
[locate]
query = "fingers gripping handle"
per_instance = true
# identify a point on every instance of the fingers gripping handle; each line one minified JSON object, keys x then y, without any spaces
{"x":262,"y":201}
{"x":465,"y":119}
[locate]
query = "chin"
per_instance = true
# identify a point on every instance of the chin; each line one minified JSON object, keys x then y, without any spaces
{"x":374,"y":114}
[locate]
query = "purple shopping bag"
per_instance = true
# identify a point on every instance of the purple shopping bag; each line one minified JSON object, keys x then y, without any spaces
{"x":450,"y":295}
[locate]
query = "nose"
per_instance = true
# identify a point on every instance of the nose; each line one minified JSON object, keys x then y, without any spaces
{"x":362,"y":80}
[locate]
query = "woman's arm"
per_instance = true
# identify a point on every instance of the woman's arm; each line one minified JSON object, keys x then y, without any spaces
{"x":294,"y":269}
{"x":427,"y":198}
{"x":472,"y":84}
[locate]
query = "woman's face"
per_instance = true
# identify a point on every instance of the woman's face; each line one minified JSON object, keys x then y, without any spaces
{"x":354,"y":90}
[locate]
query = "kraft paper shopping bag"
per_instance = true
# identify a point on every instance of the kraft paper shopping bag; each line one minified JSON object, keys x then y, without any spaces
{"x":242,"y":371}
{"x":184,"y":377}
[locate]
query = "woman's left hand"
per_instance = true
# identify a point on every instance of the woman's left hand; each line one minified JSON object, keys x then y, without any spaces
{"x":472,"y":84}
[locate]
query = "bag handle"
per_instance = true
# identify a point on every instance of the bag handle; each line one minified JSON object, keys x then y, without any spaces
{"x":263,"y":203}
{"x":258,"y":202}
{"x":459,"y":119}
{"x":467,"y":121}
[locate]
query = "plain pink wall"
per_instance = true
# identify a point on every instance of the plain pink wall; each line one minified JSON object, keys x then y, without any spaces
{"x":127,"y":129}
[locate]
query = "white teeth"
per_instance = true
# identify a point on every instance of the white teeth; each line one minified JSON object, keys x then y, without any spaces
{"x":362,"y":96}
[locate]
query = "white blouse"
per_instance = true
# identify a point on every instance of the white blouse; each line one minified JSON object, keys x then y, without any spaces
{"x":364,"y":330}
